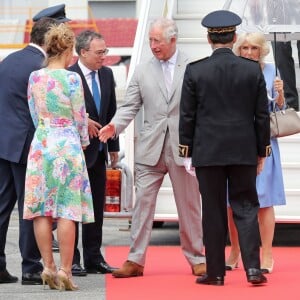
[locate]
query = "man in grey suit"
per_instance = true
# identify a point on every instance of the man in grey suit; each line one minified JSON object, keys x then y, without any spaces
{"x":156,"y":150}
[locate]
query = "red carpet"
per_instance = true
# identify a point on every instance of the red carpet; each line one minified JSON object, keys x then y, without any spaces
{"x":168,"y":276}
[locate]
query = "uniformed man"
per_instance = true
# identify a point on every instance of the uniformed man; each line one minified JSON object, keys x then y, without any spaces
{"x":224,"y":129}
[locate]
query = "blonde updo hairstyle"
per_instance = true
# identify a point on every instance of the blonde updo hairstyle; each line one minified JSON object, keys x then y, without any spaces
{"x":254,"y":38}
{"x":59,"y":38}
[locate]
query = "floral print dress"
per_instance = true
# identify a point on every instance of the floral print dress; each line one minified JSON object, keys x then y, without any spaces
{"x":57,"y":183}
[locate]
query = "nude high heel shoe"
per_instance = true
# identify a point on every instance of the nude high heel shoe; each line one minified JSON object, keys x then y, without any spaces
{"x":65,"y":282}
{"x":49,"y":277}
{"x":267,"y":270}
{"x":234,"y":265}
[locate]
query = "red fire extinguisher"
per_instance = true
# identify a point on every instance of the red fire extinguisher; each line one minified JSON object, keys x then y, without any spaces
{"x":113,"y":190}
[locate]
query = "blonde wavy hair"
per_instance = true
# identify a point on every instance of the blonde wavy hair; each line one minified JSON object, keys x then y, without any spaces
{"x":254,"y":38}
{"x":59,"y":39}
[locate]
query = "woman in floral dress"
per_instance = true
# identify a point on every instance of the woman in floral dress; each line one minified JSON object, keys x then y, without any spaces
{"x":57,"y":185}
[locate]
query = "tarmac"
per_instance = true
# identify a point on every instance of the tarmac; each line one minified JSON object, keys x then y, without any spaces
{"x":115,"y":232}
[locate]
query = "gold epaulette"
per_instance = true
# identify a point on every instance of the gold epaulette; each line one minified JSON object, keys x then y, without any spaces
{"x":268,"y":150}
{"x":183,"y":151}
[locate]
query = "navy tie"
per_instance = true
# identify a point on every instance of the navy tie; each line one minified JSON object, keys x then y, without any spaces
{"x":95,"y":90}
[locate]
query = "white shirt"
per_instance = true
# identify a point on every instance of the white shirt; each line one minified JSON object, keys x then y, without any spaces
{"x":38,"y":47}
{"x":88,"y":76}
{"x":172,"y":62}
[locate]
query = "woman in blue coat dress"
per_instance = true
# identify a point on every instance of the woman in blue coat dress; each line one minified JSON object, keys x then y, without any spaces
{"x":269,"y":182}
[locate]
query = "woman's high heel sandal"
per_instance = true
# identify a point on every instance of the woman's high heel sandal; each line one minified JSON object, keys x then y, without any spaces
{"x":65,"y":282}
{"x":49,"y":277}
{"x":234,"y":265}
{"x":229,"y":267}
{"x":267,"y":270}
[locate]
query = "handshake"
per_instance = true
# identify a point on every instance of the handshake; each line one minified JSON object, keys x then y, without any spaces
{"x":109,"y":131}
{"x":106,"y":132}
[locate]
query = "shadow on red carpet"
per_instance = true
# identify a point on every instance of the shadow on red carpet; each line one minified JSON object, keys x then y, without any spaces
{"x":167,"y":275}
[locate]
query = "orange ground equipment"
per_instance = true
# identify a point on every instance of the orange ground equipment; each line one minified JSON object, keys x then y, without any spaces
{"x":113,"y":190}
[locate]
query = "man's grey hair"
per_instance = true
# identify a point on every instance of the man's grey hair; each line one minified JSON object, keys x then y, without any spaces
{"x":168,"y":26}
{"x":83,"y":40}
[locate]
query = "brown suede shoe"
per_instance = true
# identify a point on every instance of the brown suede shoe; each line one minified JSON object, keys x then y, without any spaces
{"x":129,"y":269}
{"x":199,"y":269}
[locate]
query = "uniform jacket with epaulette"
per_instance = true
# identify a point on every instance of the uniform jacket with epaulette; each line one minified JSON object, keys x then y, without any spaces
{"x":224,"y":117}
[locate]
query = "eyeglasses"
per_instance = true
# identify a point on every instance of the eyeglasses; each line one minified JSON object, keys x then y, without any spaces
{"x":100,"y":52}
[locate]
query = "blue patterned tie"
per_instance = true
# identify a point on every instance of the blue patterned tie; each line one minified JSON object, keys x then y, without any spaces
{"x":95,"y":90}
{"x":97,"y":98}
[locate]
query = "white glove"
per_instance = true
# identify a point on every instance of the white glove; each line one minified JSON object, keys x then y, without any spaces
{"x":187,"y":161}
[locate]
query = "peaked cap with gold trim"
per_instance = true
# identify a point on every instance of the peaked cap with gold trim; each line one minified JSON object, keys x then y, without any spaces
{"x":221,"y":21}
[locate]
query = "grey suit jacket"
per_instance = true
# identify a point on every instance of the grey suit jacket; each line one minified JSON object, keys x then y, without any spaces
{"x":147,"y":89}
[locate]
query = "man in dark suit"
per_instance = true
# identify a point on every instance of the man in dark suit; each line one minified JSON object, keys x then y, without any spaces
{"x":101,"y":107}
{"x":286,"y":13}
{"x":225,"y":129}
{"x":17,"y":132}
{"x":286,"y":66}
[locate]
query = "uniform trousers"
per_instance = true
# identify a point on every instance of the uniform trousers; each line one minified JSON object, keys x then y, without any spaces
{"x":238,"y":183}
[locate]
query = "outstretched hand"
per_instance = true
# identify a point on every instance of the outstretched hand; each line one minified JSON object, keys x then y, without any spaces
{"x":106,"y":132}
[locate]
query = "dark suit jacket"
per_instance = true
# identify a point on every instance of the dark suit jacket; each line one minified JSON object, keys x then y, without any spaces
{"x":224,"y":118}
{"x":15,"y":121}
{"x":107,"y":110}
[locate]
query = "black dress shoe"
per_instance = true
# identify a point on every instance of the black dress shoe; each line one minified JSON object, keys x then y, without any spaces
{"x":102,"y":268}
{"x":212,"y":280}
{"x":5,"y":277}
{"x":255,"y":276}
{"x":32,"y":278}
{"x":78,"y":270}
{"x":55,"y":246}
